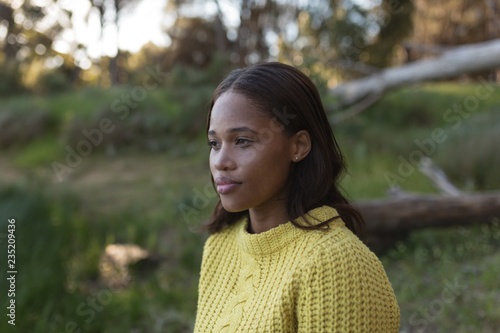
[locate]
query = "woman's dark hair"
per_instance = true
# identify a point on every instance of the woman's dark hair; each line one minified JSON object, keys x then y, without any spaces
{"x":289,"y":96}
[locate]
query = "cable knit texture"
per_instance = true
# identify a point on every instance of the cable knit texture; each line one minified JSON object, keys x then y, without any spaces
{"x":292,"y":280}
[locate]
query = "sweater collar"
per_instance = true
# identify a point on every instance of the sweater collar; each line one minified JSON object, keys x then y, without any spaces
{"x":276,"y":238}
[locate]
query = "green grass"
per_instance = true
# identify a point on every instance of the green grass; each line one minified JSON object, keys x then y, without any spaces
{"x":425,"y":105}
{"x":447,"y":280}
{"x":41,"y":152}
{"x":60,"y":242}
{"x":164,"y":119}
{"x":42,"y":251}
{"x":369,"y":176}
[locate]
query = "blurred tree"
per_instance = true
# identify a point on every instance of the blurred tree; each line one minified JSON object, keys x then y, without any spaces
{"x":328,"y":38}
{"x":445,"y":23}
{"x":244,"y":39}
{"x":136,"y":64}
{"x":338,"y":39}
{"x":31,"y":28}
{"x":394,"y":26}
{"x":455,"y":22}
{"x":441,"y":24}
{"x":27,"y":49}
{"x":110,"y":13}
{"x":257,"y":18}
{"x":195,"y":41}
{"x":10,"y":81}
{"x":7,"y":20}
{"x":150,"y":52}
{"x":326,"y":33}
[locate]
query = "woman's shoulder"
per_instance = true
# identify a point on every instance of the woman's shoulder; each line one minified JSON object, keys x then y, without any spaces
{"x":339,"y":247}
{"x":341,"y":256}
{"x":343,"y":275}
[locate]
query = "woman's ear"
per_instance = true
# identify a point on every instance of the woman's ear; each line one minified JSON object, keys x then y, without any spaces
{"x":301,"y":145}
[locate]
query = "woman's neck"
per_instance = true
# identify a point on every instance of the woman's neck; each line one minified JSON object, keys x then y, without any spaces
{"x":267,"y":216}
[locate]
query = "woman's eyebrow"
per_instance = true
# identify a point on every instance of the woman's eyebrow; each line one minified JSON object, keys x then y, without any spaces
{"x":235,"y":130}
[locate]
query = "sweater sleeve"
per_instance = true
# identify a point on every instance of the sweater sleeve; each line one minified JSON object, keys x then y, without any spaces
{"x":343,"y":288}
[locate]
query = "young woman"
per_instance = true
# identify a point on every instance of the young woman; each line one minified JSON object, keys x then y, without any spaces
{"x":283,"y":255}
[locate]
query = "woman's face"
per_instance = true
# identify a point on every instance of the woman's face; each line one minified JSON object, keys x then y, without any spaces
{"x":250,"y":155}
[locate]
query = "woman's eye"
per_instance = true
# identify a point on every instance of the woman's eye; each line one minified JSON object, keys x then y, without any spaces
{"x":213,"y":144}
{"x":242,"y":142}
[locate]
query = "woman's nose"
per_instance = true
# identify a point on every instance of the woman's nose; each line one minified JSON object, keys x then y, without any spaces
{"x":222,"y":159}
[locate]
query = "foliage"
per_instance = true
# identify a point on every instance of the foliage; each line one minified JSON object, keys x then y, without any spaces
{"x":331,"y":39}
{"x":10,"y":81}
{"x":20,"y":126}
{"x":164,"y":118}
{"x":194,"y":40}
{"x":425,"y":105}
{"x":394,"y":128}
{"x":58,"y":284}
{"x":453,"y":22}
{"x":53,"y":81}
{"x":193,"y":90}
{"x":469,"y":156}
{"x":41,"y":152}
{"x":339,"y":39}
{"x":46,"y":237}
{"x":447,"y":280}
{"x":395,"y":26}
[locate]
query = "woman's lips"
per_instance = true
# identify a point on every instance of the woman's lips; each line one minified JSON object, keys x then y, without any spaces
{"x":226,"y":185}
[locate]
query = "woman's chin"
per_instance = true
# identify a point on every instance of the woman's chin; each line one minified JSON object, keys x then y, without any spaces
{"x":233,"y":207}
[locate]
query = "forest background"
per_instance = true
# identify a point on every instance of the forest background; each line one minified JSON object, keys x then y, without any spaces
{"x":103,"y":160}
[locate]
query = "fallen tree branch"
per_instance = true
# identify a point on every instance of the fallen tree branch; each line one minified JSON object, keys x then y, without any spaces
{"x":460,"y":60}
{"x":388,"y":216}
{"x":355,"y":109}
{"x":357,"y":67}
{"x":391,"y":219}
{"x":426,"y":49}
{"x":438,"y":177}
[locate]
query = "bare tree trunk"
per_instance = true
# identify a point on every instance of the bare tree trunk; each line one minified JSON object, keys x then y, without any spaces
{"x":461,"y":60}
{"x":392,"y":219}
{"x":244,"y":31}
{"x":220,"y":32}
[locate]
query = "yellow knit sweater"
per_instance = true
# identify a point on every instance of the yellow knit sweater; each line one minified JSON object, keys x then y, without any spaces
{"x":292,"y":280}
